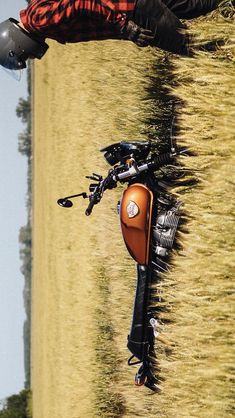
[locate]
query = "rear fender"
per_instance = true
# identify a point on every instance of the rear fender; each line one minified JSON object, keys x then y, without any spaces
{"x":141,"y":332}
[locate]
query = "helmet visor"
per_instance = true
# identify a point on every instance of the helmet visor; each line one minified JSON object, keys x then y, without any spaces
{"x":16,"y":75}
{"x":13,"y":62}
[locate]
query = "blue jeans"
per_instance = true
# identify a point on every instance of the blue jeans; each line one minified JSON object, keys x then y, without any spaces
{"x":189,"y":9}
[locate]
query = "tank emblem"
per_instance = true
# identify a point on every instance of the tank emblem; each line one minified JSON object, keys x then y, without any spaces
{"x":132,"y":209}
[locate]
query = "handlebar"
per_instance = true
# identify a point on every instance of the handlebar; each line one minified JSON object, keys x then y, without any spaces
{"x":116,"y":174}
{"x":113,"y":177}
{"x":157,"y":163}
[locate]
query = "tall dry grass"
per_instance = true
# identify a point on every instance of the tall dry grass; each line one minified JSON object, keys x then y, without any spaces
{"x":199,"y":289}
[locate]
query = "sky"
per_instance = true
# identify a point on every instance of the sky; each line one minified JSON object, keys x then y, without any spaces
{"x":13,"y":188}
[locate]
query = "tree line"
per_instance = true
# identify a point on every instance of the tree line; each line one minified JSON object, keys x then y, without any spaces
{"x":23,"y":112}
{"x":19,"y":405}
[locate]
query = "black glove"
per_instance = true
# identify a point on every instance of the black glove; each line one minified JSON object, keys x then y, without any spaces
{"x":140,"y":36}
{"x":169,"y":32}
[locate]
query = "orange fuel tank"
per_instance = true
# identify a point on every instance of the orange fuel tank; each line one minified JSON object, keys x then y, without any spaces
{"x":135,"y":217}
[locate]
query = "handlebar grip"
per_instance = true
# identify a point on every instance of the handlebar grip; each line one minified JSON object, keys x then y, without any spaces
{"x":90,"y":206}
{"x":163,"y":159}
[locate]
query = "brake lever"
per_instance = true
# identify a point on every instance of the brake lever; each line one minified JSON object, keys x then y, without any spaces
{"x":95,"y":177}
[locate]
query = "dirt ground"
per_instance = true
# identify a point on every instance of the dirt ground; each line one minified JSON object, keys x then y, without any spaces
{"x":82,"y":274}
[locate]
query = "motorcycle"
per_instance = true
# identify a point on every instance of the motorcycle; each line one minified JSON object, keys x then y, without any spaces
{"x":149,"y":217}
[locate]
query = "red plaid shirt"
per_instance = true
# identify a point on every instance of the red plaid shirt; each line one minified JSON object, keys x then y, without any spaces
{"x":76,"y":20}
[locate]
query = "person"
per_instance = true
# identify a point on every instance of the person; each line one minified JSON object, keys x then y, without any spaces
{"x":144,"y":22}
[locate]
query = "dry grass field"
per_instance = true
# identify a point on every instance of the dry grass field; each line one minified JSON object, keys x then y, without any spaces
{"x":85,"y":97}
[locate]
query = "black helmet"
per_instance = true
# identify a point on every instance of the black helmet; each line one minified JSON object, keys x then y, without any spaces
{"x":17,"y":45}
